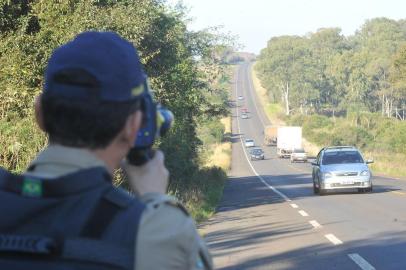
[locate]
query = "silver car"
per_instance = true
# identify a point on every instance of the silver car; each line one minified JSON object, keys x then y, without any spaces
{"x":298,"y":155}
{"x":341,"y":167}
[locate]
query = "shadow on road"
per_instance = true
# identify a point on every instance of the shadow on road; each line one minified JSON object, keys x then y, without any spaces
{"x":300,"y":185}
{"x":383,"y":251}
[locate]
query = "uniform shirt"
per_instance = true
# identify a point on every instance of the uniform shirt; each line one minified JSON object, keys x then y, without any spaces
{"x":167,"y":237}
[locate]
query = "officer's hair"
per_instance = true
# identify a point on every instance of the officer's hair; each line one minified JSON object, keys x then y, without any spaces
{"x":89,"y":124}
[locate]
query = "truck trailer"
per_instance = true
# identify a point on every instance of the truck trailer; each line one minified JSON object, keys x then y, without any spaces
{"x":288,"y":139}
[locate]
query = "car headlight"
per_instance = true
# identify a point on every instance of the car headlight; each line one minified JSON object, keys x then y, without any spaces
{"x":327,"y":175}
{"x":364,"y":173}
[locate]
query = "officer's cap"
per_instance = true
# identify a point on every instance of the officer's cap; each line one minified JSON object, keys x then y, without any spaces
{"x":99,"y":65}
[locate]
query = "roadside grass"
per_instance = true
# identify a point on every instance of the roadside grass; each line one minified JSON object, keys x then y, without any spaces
{"x":273,"y":111}
{"x":387,"y":164}
{"x":378,"y":137}
{"x":221,"y":152}
{"x":20,"y":141}
{"x":203,"y":200}
{"x":215,"y":163}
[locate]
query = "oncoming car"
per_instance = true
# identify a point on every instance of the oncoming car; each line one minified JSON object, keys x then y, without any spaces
{"x":341,"y":167}
{"x":240,"y":97}
{"x":244,"y":116}
{"x":249,"y":143}
{"x":257,"y":154}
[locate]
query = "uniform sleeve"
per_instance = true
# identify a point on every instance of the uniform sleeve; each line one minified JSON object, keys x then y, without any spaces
{"x":167,"y":238}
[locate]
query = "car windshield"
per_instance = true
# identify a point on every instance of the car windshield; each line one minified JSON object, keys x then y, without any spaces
{"x":341,"y":157}
{"x":249,"y":140}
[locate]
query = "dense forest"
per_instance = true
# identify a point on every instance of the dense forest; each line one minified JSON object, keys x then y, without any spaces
{"x":180,"y":65}
{"x":326,"y":72}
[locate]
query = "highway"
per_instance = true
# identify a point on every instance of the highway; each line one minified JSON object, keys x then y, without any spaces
{"x":269,"y":217}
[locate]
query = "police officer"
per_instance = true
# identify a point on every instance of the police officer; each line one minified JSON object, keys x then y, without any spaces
{"x":89,"y":111}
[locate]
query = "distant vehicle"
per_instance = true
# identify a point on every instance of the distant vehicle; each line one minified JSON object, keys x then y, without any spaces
{"x":288,"y":138}
{"x":341,"y":167}
{"x":244,"y":110}
{"x":249,"y":143}
{"x":298,"y":155}
{"x":244,"y":116}
{"x":270,"y":135}
{"x":257,"y":154}
{"x":240,"y":97}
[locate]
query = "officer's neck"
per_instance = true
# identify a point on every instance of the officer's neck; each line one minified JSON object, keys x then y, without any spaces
{"x":112,"y":155}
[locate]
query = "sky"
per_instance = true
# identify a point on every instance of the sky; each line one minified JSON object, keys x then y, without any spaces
{"x":257,"y":21}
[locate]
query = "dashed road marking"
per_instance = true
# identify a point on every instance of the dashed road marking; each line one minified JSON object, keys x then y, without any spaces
{"x":303,"y":213}
{"x":315,"y":224}
{"x":361,"y":262}
{"x":294,"y":205}
{"x":331,"y":237}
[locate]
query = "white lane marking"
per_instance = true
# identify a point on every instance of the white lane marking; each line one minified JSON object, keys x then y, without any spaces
{"x":249,"y":162}
{"x":331,"y":237}
{"x":303,"y":213}
{"x":294,"y":205}
{"x":361,"y":262}
{"x":315,"y":224}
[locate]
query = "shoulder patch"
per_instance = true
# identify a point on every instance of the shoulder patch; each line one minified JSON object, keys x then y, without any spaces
{"x":167,"y":200}
{"x":178,"y":205}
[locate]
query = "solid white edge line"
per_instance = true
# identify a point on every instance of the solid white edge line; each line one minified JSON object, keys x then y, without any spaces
{"x":315,"y":224}
{"x":294,"y":205}
{"x":248,"y":160}
{"x":361,"y":262}
{"x":303,"y":213}
{"x":331,"y":237}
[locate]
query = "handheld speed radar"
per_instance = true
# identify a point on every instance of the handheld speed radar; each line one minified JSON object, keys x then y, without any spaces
{"x":157,"y":120}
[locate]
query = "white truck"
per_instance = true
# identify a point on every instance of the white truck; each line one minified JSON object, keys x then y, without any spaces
{"x":288,"y":139}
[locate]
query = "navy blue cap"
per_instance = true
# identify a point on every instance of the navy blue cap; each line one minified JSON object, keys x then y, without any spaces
{"x":111,"y":61}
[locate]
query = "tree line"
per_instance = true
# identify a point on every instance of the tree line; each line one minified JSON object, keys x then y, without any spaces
{"x":178,"y":62}
{"x":327,"y":72}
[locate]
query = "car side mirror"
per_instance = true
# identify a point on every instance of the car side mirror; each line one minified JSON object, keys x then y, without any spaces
{"x":369,"y":161}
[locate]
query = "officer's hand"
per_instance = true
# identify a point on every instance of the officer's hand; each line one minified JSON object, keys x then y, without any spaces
{"x":150,"y":177}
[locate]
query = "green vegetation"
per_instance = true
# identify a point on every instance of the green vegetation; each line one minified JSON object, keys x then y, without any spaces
{"x":379,"y":137}
{"x":343,"y":90}
{"x":328,"y":73}
{"x":179,"y":63}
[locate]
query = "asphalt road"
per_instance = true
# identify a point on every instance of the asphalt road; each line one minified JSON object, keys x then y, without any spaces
{"x":269,"y":217}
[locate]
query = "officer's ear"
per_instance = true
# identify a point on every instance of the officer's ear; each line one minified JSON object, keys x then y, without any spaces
{"x":39,"y":117}
{"x":133,"y":124}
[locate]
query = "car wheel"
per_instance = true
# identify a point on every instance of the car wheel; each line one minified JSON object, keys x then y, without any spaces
{"x":368,"y":190}
{"x":321,"y":190}
{"x":315,"y":189}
